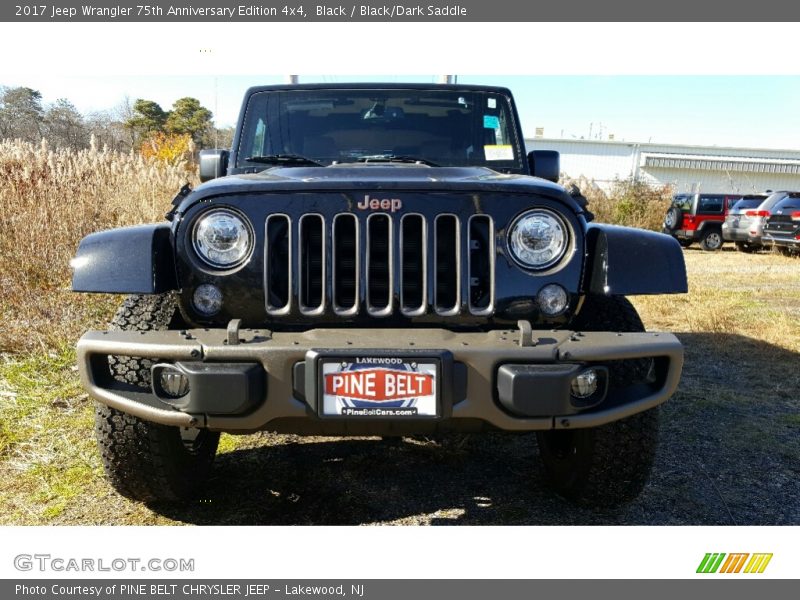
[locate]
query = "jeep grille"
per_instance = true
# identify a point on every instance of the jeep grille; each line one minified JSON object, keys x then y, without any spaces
{"x":379,"y":264}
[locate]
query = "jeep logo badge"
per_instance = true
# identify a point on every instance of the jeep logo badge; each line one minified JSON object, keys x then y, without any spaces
{"x":390,"y":204}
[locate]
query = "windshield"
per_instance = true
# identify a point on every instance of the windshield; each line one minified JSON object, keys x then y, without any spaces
{"x":440,"y":127}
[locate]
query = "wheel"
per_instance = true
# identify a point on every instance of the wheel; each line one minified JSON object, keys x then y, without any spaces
{"x":146,"y":461}
{"x":685,"y":243}
{"x":746,"y":247}
{"x":783,"y":250}
{"x":673,"y":219}
{"x":607,"y":465}
{"x":711,"y":240}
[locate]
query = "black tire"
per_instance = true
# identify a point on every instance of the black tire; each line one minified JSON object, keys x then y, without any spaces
{"x":602,"y":466}
{"x":685,"y":243}
{"x":608,"y":465}
{"x":711,"y":240}
{"x":784,"y":250}
{"x":146,"y":461}
{"x":672,"y":221}
{"x":746,"y":247}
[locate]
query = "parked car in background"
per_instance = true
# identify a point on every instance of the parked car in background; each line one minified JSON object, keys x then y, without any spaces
{"x":782,"y":228}
{"x":744,"y":221}
{"x":698,"y":217}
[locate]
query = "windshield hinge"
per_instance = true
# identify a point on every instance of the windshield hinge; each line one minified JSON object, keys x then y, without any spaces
{"x":184,"y":191}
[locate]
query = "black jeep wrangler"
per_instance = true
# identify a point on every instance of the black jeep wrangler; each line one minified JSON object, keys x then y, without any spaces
{"x":379,"y":260}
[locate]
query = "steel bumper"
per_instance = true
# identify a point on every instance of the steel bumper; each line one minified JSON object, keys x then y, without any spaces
{"x":477,"y":394}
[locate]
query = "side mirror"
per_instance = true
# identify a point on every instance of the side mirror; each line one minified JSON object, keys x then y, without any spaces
{"x":545,"y":164}
{"x":213,"y":164}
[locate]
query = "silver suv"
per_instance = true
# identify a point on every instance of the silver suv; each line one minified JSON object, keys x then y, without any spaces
{"x":744,"y":224}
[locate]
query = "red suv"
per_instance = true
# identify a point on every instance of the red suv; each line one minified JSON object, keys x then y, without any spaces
{"x":698,"y":217}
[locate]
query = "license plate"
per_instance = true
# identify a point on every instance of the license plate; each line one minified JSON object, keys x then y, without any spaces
{"x":375,"y":386}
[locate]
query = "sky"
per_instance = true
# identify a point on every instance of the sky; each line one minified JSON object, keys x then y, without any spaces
{"x":749,"y":111}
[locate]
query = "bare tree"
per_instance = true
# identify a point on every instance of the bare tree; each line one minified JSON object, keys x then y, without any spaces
{"x":21,"y":114}
{"x":64,"y":125}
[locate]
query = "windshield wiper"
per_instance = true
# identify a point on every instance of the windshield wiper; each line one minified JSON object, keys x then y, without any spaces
{"x":288,"y":159}
{"x":396,"y":158}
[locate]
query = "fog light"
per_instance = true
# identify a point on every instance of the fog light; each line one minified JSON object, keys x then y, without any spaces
{"x":173,"y":383}
{"x":584,"y":384}
{"x":207,"y":299}
{"x":552,"y":299}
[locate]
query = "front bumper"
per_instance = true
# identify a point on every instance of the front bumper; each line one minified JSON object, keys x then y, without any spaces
{"x":492,"y":379}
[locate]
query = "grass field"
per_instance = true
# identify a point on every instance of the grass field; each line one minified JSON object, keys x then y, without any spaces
{"x":730,"y":450}
{"x":730,"y":437}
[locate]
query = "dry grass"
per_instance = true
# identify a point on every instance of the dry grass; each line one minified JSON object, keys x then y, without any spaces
{"x":49,"y":200}
{"x":631,"y":203}
{"x":751,"y":295}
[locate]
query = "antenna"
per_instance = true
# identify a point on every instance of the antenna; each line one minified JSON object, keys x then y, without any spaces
{"x":216,"y":113}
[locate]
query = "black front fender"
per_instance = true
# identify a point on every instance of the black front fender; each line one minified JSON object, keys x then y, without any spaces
{"x":626,"y":261}
{"x":129,"y":260}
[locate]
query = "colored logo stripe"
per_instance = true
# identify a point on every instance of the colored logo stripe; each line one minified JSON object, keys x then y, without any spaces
{"x":712,"y":562}
{"x":734,"y":563}
{"x":758,"y":563}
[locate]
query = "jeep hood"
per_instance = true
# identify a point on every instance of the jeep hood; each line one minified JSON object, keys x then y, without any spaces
{"x":398,"y":176}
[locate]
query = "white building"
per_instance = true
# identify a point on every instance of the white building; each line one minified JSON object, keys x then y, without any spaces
{"x":686,"y":168}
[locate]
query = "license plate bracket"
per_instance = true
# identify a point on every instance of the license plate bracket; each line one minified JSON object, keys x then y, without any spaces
{"x":379,"y":384}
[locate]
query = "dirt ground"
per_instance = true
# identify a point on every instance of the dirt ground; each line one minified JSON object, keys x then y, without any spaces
{"x":729,"y":451}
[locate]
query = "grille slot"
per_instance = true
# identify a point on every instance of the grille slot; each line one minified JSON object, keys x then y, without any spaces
{"x":312,"y":264}
{"x":447,"y":260}
{"x":278,"y":264}
{"x":345,"y":264}
{"x":481,"y":264}
{"x":413,"y":265}
{"x":379,"y":265}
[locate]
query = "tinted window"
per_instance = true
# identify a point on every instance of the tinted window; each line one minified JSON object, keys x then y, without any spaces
{"x":747,"y":203}
{"x":788,"y":204}
{"x":772,"y":200}
{"x":710,"y":204}
{"x":446,"y":127}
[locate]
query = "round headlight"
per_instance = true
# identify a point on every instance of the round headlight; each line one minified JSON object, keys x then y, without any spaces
{"x":538,"y":239}
{"x":222,"y":238}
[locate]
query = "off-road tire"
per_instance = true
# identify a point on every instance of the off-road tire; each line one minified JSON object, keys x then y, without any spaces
{"x":146,"y":461}
{"x":602,"y":466}
{"x":711,"y":240}
{"x":608,"y":465}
